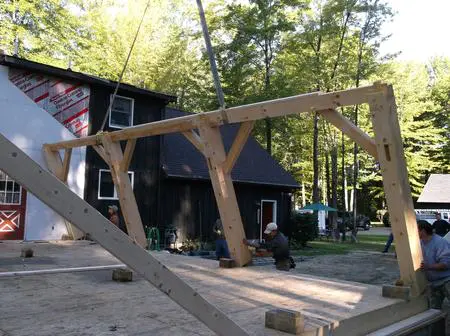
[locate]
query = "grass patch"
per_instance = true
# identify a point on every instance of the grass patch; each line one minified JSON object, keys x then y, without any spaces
{"x":323,"y":247}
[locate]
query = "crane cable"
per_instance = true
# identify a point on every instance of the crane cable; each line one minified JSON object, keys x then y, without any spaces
{"x":123,"y":71}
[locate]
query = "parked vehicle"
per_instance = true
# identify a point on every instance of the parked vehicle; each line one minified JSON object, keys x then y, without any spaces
{"x":347,"y":218}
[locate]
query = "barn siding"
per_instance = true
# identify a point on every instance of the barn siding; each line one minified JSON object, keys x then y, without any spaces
{"x":190,"y":206}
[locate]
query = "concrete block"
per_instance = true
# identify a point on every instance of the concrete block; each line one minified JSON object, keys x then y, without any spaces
{"x":26,"y":252}
{"x":122,"y":275}
{"x":397,"y":292}
{"x":286,"y":320}
{"x":226,"y":263}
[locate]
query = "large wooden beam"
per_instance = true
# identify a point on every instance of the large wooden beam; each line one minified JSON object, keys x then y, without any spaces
{"x":62,"y":200}
{"x":195,"y":139}
{"x":101,"y":152}
{"x":128,"y":154}
{"x":122,"y":182}
{"x":269,"y":109}
{"x":66,"y":164}
{"x":397,"y":190}
{"x":238,"y":144}
{"x":225,"y":195}
{"x":60,"y":169}
{"x":351,"y":130}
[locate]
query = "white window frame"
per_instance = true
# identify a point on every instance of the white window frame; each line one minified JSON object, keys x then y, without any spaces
{"x":115,"y":197}
{"x":274,"y":214}
{"x":20,"y":191}
{"x":132,"y":112}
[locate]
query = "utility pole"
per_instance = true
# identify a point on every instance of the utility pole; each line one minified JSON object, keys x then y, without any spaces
{"x":212,"y":60}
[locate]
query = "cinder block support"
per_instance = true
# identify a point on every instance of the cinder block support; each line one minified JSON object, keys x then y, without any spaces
{"x":391,"y":157}
{"x":122,"y":275}
{"x":226,"y":263}
{"x":289,"y":321}
{"x":26,"y":252}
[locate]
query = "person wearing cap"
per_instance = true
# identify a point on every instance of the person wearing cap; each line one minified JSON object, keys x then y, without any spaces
{"x":279,"y":245}
{"x":435,"y":264}
{"x":113,"y":212}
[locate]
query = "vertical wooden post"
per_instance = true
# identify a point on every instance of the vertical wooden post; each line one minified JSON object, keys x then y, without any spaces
{"x":214,"y":152}
{"x":124,"y":189}
{"x":60,"y":169}
{"x":396,"y":187}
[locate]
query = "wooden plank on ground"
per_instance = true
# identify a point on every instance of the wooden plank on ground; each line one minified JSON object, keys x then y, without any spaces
{"x":122,"y":182}
{"x":61,"y":199}
{"x":225,"y":194}
{"x":397,"y":189}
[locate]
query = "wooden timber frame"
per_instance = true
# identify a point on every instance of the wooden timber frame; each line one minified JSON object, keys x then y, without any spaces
{"x":202,"y":130}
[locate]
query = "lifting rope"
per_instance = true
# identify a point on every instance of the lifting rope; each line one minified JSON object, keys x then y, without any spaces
{"x":123,"y":70}
{"x":212,"y":61}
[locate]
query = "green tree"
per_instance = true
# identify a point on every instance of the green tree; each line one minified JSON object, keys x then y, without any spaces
{"x":48,"y":31}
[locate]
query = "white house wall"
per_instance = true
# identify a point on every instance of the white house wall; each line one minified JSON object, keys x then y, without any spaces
{"x":29,"y":127}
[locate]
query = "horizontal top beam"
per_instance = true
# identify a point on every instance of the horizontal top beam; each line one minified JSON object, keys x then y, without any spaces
{"x":315,"y":101}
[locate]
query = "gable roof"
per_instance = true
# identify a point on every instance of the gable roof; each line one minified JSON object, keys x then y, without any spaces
{"x":20,"y":63}
{"x":181,"y":159}
{"x":436,"y":190}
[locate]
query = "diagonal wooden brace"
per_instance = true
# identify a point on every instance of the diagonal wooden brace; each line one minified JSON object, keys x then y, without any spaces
{"x":351,"y":130}
{"x":60,"y":169}
{"x":62,"y":200}
{"x":238,"y":144}
{"x":122,"y":182}
{"x":225,"y":195}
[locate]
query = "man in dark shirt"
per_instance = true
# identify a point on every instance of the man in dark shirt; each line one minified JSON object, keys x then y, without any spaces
{"x":440,"y":226}
{"x":221,"y":243}
{"x":279,"y":245}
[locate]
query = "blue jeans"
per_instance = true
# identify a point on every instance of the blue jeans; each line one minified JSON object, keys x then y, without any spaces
{"x":222,"y":249}
{"x":389,"y":242}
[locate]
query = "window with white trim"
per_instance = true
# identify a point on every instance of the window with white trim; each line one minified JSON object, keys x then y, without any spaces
{"x":122,"y":111}
{"x":10,"y":190}
{"x":106,"y":188}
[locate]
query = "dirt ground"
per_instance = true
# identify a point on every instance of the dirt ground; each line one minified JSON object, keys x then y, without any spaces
{"x":366,"y":267}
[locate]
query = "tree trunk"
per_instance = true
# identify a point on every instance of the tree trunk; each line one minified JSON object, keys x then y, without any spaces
{"x":327,"y":177}
{"x":343,"y":181}
{"x":303,"y":194}
{"x":269,"y":135}
{"x":316,"y":191}
{"x":334,"y":182}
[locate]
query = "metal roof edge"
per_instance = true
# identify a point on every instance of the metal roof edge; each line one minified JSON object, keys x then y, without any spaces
{"x":16,"y":62}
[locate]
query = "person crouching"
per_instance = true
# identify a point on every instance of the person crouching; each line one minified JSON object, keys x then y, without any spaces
{"x":279,"y":245}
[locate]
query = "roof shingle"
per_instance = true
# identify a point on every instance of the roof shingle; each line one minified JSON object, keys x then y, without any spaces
{"x":181,"y":159}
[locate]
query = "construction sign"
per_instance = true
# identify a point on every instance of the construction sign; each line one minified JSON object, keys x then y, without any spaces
{"x":67,"y":102}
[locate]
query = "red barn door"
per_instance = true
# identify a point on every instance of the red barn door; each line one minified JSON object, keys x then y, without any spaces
{"x":12,"y":209}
